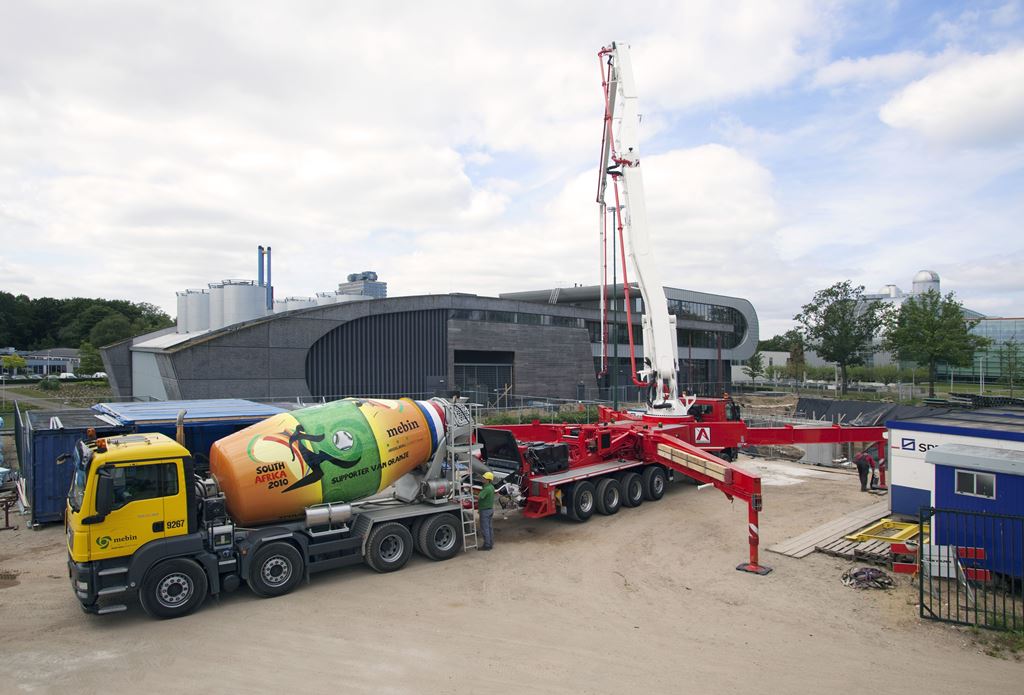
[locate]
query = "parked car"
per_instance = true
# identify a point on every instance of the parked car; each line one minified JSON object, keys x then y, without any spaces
{"x":99,"y":375}
{"x":18,"y":377}
{"x":68,"y":375}
{"x":35,"y":376}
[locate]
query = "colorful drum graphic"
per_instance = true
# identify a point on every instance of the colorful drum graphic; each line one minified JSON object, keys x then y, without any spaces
{"x":334,"y":452}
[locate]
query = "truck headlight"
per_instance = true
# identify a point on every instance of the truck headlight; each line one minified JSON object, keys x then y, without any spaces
{"x":82,"y":586}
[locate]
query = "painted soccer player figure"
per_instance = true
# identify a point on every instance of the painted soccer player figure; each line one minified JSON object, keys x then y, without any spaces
{"x":313,"y":458}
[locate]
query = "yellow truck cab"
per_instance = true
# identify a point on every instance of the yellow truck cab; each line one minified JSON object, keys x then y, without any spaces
{"x":131,"y":505}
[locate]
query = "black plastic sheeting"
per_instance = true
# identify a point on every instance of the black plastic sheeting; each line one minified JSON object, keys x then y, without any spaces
{"x":860,"y":413}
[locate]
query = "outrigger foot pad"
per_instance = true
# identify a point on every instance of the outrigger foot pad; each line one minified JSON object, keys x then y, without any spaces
{"x":754,"y":569}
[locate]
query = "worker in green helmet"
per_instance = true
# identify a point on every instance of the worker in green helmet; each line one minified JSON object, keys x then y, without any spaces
{"x":485,"y":503}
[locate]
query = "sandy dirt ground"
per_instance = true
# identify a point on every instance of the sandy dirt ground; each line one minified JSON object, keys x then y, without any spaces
{"x":647,"y":600}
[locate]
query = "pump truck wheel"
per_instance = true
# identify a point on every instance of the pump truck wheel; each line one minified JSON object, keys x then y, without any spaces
{"x":582,"y":501}
{"x":173,"y":588}
{"x":417,"y":524}
{"x":388,"y":547}
{"x":440,"y":536}
{"x":632,"y":489}
{"x":609,"y":496}
{"x":654,"y":482}
{"x":276,"y":569}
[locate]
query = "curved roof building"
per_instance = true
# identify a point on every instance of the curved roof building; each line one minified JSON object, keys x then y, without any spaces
{"x":544,"y":343}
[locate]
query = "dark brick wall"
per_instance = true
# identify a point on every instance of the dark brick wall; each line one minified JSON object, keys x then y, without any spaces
{"x":549,"y":360}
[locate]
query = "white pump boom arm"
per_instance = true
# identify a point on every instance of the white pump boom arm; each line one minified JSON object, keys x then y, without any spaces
{"x":621,"y":157}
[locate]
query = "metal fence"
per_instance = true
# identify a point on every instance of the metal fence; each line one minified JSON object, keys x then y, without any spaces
{"x":971,"y":572}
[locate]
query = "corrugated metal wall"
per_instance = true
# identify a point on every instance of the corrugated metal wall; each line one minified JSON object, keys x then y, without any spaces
{"x":383,"y":355}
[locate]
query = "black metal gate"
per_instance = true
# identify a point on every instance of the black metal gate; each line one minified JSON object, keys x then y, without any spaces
{"x":971,"y":568}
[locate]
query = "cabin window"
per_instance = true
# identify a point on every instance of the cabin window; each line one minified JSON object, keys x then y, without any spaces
{"x":976,"y":484}
{"x":134,"y":483}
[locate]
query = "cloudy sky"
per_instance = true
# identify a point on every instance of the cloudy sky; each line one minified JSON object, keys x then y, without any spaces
{"x":147,"y":147}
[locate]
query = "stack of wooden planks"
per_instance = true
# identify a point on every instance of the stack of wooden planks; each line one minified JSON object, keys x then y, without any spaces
{"x":806,"y":543}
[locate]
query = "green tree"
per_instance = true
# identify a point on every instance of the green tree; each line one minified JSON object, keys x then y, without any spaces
{"x":110,"y":330}
{"x":12,"y":363}
{"x":91,"y":360}
{"x":839,"y":324}
{"x":1009,"y":361}
{"x":930,"y":328}
{"x":755,"y":366}
{"x":887,"y":373}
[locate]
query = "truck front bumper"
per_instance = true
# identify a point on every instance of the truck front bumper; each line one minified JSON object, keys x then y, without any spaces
{"x":83,"y":583}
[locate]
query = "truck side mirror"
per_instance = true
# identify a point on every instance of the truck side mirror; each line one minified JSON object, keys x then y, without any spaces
{"x":104,"y":493}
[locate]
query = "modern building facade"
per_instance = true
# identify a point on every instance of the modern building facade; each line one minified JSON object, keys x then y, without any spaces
{"x":521,"y":344}
{"x":1001,"y":361}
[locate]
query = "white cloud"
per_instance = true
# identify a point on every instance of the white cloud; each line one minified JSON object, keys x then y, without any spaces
{"x":888,"y":67}
{"x":978,"y":100}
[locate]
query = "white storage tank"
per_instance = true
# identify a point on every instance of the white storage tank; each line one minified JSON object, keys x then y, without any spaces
{"x":280,"y":305}
{"x":323,"y":298}
{"x":244,"y":300}
{"x":300,"y":302}
{"x":216,"y":305}
{"x":182,"y":312}
{"x":352,"y":297}
{"x":198,"y":302}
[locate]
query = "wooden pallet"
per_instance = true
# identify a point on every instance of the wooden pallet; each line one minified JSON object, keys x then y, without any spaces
{"x":806,"y":543}
{"x":875,"y":552}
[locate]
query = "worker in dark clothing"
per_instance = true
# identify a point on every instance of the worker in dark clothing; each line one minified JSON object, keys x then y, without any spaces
{"x":865,"y":462}
{"x":485,"y":503}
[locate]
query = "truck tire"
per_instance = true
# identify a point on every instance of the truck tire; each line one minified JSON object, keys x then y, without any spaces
{"x":632,"y":489}
{"x":440,"y":536}
{"x":388,"y":547}
{"x":417,"y":524}
{"x":582,"y":499}
{"x":609,"y":496}
{"x":654,"y":482}
{"x":173,"y":588}
{"x":276,"y":569}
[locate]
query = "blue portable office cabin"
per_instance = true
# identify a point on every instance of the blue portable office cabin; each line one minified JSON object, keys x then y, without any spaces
{"x":912,"y":477}
{"x":206,"y":421}
{"x":990,"y":480}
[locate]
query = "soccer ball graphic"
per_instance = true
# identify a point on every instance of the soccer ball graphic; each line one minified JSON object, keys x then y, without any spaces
{"x":343,"y":441}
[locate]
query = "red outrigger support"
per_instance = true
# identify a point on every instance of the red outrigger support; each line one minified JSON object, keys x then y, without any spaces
{"x":731,"y":480}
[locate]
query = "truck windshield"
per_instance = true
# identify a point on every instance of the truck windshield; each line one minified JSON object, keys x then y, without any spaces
{"x":77,"y":492}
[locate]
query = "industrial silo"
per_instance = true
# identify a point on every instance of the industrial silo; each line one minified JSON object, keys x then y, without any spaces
{"x":182,"y":312}
{"x":300,"y":302}
{"x":216,"y":305}
{"x":244,"y":300}
{"x":198,"y":303}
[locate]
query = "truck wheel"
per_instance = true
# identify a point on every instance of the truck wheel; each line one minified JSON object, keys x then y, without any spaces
{"x":654,"y":482}
{"x":609,"y":496}
{"x":173,"y":588}
{"x":440,"y":537}
{"x":275,"y":570}
{"x":417,"y":524}
{"x":632,"y":489}
{"x":389,"y":546}
{"x":582,"y":501}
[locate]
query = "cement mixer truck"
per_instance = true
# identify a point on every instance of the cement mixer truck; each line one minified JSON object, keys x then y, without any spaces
{"x":336,"y":484}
